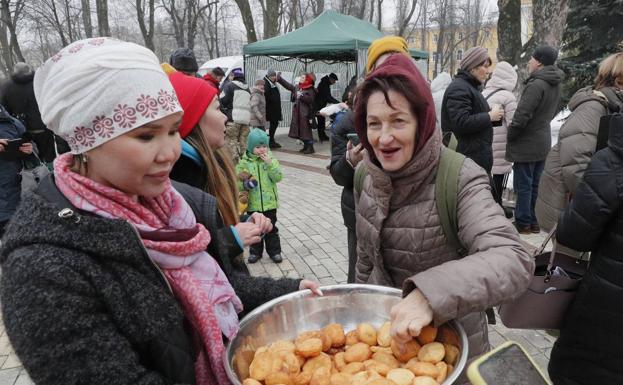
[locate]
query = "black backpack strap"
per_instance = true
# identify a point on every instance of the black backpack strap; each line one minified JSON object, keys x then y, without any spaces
{"x":493,"y":93}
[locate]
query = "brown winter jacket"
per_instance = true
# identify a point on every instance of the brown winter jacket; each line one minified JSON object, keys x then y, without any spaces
{"x":401,"y":242}
{"x":567,"y":160}
{"x":302,"y":112}
{"x":258,"y":108}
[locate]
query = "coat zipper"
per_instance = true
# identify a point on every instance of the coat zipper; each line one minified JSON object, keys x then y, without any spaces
{"x":146,"y":254}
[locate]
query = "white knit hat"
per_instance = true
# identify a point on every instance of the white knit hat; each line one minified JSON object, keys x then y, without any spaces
{"x":96,"y":89}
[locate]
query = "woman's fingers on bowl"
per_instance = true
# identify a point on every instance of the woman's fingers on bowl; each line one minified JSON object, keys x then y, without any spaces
{"x":311,"y":285}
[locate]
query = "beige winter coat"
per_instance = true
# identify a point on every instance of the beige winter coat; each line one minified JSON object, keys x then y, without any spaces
{"x":401,"y":242}
{"x":567,"y":160}
{"x":258,"y":108}
{"x":499,"y":90}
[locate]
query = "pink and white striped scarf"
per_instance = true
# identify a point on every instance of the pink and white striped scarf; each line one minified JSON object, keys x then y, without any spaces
{"x":177,"y":244}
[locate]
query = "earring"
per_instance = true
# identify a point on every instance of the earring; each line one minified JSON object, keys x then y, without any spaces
{"x":84,"y":159}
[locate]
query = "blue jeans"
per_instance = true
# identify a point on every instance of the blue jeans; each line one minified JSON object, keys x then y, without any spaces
{"x":526,"y":184}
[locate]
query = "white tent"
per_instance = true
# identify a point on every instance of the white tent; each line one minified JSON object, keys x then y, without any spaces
{"x":227,"y":63}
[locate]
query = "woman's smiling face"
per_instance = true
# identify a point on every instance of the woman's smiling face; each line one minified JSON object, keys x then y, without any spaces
{"x":391,"y":131}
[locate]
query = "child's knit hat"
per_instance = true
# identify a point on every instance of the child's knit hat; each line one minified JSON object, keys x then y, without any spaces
{"x":257,"y":137}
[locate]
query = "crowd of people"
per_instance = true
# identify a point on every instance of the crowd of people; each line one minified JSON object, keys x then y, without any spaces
{"x":125,"y":265}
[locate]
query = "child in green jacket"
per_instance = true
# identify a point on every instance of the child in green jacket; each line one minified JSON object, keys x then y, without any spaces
{"x":259,"y":163}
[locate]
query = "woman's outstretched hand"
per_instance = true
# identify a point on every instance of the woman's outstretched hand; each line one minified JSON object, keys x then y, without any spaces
{"x":410,"y":315}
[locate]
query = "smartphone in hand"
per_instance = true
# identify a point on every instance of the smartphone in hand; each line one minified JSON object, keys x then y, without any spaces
{"x":353,"y":138}
{"x":508,"y":364}
{"x":13,"y":145}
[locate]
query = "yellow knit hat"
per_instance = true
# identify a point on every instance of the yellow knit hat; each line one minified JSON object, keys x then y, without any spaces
{"x":167,"y":68}
{"x":384,"y":45}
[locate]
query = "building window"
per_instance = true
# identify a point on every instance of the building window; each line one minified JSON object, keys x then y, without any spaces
{"x":435,"y":38}
{"x":459,"y":54}
{"x":460,"y":35}
{"x":487,"y":33}
{"x":435,"y":57}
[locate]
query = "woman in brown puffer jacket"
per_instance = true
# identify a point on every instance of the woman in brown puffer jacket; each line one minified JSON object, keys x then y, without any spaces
{"x":401,"y":242}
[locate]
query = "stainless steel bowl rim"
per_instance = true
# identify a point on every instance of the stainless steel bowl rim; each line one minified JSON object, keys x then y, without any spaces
{"x":337,"y":288}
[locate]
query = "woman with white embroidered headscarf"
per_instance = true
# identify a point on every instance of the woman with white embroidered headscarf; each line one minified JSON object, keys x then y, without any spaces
{"x":107,"y":276}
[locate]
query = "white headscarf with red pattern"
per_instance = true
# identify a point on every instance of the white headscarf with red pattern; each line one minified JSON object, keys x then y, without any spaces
{"x":96,"y":89}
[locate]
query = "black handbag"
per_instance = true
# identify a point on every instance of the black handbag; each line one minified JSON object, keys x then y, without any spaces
{"x":548,"y":297}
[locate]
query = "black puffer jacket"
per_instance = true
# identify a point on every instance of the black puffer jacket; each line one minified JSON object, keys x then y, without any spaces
{"x":273,"y":101}
{"x":187,"y":171}
{"x":529,"y":135}
{"x":18,"y":97}
{"x":324,"y":94}
{"x":83,"y":303}
{"x":589,"y":348}
{"x":465,"y":112}
{"x":342,"y":172}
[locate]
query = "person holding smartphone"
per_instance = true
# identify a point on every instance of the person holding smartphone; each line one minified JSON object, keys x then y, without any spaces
{"x":12,"y":149}
{"x":346,"y":153}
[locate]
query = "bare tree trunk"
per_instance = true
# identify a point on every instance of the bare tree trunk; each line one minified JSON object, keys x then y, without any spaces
{"x":405,"y":18}
{"x":442,"y":19}
{"x":86,"y":18}
{"x":379,"y":14}
{"x":194,"y":11}
{"x":549,"y":18}
{"x":7,"y":58}
{"x":509,"y":31}
{"x":271,"y":16}
{"x":147,"y":30}
{"x":176,"y":22}
{"x":69,"y":24}
{"x":247,"y":19}
{"x":317,"y":7}
{"x":424,"y":24}
{"x":59,"y":26}
{"x":103,"y":27}
{"x":361,"y":12}
{"x":9,"y":19}
{"x":216,"y":42}
{"x":206,"y":20}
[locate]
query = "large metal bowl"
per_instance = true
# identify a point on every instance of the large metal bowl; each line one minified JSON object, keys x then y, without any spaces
{"x":287,"y":316}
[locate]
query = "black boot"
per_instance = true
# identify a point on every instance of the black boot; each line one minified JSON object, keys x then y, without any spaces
{"x":274,"y":144}
{"x":254,"y":258}
{"x":322,"y":136}
{"x":304,"y":148}
{"x":309,"y":150}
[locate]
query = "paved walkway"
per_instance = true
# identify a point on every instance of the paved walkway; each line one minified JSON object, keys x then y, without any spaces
{"x":314,"y":246}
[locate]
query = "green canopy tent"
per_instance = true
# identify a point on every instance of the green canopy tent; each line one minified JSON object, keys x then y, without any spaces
{"x":330,"y":43}
{"x":330,"y":37}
